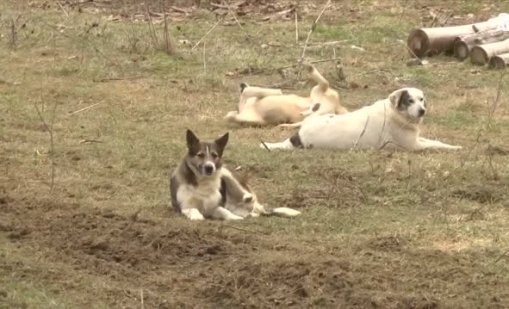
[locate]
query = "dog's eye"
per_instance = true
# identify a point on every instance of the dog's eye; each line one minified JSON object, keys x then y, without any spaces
{"x":200,"y":155}
{"x":421,"y":99}
{"x":411,"y":101}
{"x":214,"y":155}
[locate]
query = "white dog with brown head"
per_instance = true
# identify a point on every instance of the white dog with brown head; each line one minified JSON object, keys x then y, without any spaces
{"x":389,"y":123}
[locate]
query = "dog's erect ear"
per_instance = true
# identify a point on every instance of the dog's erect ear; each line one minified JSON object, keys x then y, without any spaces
{"x":243,"y":86}
{"x":397,"y":96}
{"x":308,"y":67}
{"x":221,"y":143}
{"x":192,"y":142}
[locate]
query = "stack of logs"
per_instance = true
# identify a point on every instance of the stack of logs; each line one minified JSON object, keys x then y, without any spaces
{"x":484,"y":43}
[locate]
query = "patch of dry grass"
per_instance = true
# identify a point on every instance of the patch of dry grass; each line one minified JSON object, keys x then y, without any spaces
{"x":385,"y":229}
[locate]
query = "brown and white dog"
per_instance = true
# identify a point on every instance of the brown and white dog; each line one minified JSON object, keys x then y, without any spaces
{"x":266,"y":106}
{"x":201,"y":187}
{"x":389,"y":123}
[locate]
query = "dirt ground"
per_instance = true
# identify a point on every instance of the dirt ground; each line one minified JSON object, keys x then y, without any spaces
{"x":84,"y":222}
{"x":101,"y":255}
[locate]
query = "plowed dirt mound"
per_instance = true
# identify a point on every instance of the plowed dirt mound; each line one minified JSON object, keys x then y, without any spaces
{"x":178,"y":263}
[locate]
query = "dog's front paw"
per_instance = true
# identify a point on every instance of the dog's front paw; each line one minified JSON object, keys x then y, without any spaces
{"x":196,"y":217}
{"x":230,"y":116}
{"x":247,"y":198}
{"x":234,"y":217}
{"x":193,"y":214}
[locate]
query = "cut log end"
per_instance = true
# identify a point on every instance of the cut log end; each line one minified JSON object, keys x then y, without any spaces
{"x":461,"y":50}
{"x":496,"y":63}
{"x":478,"y":56}
{"x":481,"y":54}
{"x":418,"y":42}
{"x":499,"y":62}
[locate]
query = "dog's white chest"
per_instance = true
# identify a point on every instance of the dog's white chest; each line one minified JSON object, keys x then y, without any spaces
{"x":205,"y":197}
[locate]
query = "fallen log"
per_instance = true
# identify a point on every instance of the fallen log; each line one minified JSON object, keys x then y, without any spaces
{"x":481,"y":54}
{"x":432,"y":41}
{"x":499,"y":61}
{"x":464,"y":44}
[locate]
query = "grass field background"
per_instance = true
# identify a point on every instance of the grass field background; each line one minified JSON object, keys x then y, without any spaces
{"x":93,"y":112}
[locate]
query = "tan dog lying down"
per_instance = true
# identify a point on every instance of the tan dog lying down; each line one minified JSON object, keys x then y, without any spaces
{"x":266,"y":106}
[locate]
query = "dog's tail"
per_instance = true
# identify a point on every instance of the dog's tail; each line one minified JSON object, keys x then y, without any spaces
{"x":317,"y":77}
{"x":285,"y":212}
{"x":291,"y":143}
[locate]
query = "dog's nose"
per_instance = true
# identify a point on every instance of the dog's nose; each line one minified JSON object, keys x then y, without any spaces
{"x":209,"y":169}
{"x":422,"y":111}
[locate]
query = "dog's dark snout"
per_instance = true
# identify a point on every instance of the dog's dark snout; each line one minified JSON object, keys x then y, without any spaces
{"x":209,"y":169}
{"x":422,"y":111}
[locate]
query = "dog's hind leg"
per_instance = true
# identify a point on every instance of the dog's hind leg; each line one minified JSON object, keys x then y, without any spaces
{"x":257,"y":92}
{"x":288,"y":144}
{"x":234,"y":189}
{"x":317,"y":77}
{"x":290,"y":125}
{"x":244,"y":118}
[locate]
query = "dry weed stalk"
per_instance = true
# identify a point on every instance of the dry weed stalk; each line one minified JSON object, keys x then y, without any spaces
{"x":62,"y":8}
{"x":296,"y":29}
{"x":170,"y":47}
{"x":151,"y":28}
{"x":13,"y":34}
{"x":313,"y":27}
{"x":204,"y":60}
{"x":491,"y":109}
{"x":205,"y":35}
{"x":49,"y":129}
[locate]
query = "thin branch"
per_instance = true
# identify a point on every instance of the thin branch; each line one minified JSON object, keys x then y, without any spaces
{"x":210,"y":30}
{"x":296,"y":29}
{"x":142,"y":299}
{"x":264,"y":145}
{"x":236,"y":20}
{"x":204,"y":60}
{"x":49,"y":129}
{"x":245,"y":230}
{"x":170,"y":46}
{"x":88,"y":141}
{"x":313,"y":26}
{"x":501,"y":257}
{"x":62,"y":8}
{"x":151,"y":27}
{"x":410,"y":50}
{"x":311,"y":62}
{"x":14,"y":34}
{"x":496,"y":101}
{"x":84,"y":109}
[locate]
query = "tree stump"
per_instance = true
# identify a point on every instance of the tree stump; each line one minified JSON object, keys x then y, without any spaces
{"x":499,"y":61}
{"x":481,"y":54}
{"x":431,"y":41}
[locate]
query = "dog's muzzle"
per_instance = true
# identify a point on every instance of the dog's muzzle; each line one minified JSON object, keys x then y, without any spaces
{"x":421,"y":112}
{"x":208,"y":168}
